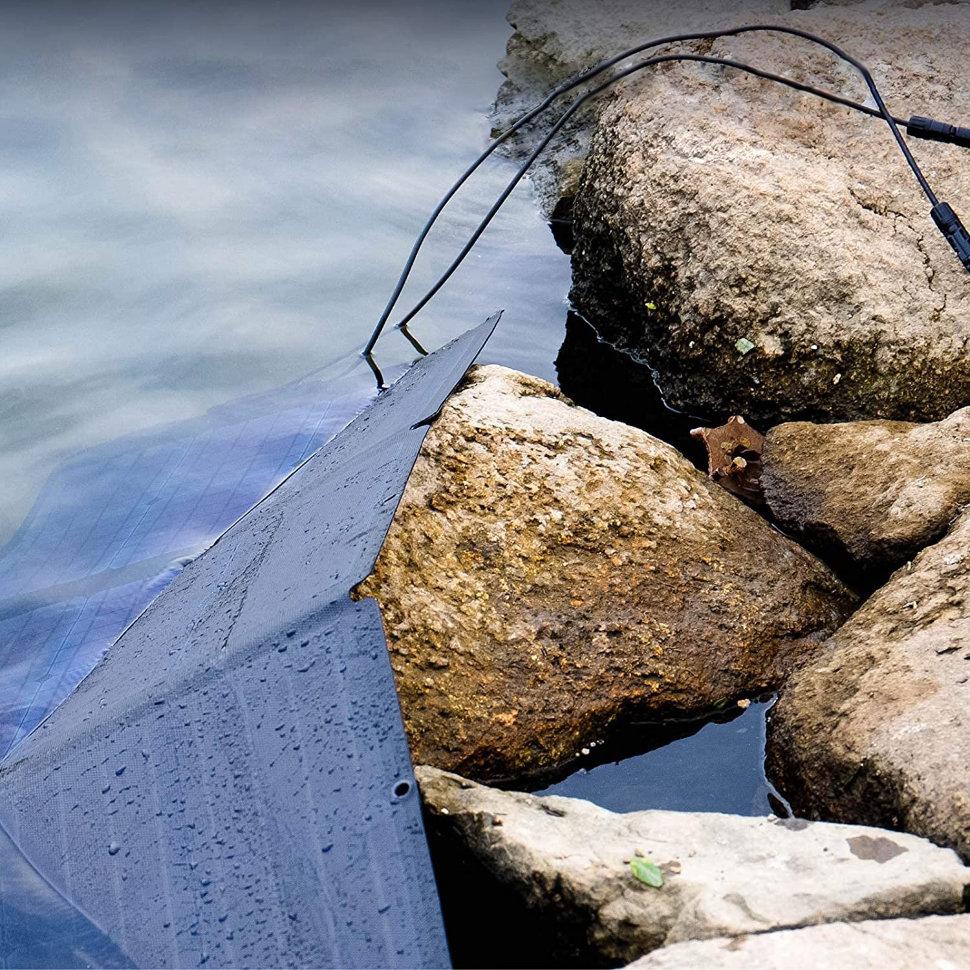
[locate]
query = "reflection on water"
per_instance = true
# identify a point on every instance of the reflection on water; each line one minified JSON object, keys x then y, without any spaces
{"x":717,"y":768}
{"x":205,"y":201}
{"x":202,"y":203}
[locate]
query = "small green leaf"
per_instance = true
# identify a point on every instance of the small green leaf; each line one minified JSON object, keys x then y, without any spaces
{"x":744,"y":346}
{"x":647,"y":872}
{"x":651,"y":306}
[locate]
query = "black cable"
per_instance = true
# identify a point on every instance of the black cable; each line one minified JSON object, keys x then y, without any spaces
{"x":574,"y":107}
{"x":605,"y":65}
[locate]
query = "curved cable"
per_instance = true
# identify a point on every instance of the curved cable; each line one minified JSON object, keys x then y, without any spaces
{"x":611,"y":62}
{"x":576,"y":105}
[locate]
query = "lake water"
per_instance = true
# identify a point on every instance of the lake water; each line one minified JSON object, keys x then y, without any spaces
{"x":717,"y":765}
{"x":206,"y":201}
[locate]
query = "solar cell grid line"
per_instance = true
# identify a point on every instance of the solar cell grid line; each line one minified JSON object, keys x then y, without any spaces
{"x":226,"y":506}
{"x":40,"y":664}
{"x":113,"y":542}
{"x":95,"y":627}
{"x":36,"y":683}
{"x":156,"y":505}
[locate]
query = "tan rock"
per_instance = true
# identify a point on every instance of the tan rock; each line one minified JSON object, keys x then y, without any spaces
{"x":876,"y":727}
{"x":555,"y":40}
{"x":551,"y":575}
{"x":868,"y":494}
{"x":903,"y":944}
{"x":770,"y":254}
{"x":566,"y":864}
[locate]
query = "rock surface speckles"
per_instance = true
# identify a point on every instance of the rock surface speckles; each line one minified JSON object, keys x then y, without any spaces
{"x":555,"y":40}
{"x":550,"y":575}
{"x":567,"y":864}
{"x":876,"y":727}
{"x":767,"y":253}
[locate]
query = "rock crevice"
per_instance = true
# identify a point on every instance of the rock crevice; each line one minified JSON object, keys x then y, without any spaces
{"x":876,"y":727}
{"x":565,"y":864}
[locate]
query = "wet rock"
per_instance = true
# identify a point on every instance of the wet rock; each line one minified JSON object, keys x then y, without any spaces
{"x":876,"y":727}
{"x":614,"y":385}
{"x":904,"y":944}
{"x":869,"y":494}
{"x":551,"y":575}
{"x":769,"y":254}
{"x":567,"y":863}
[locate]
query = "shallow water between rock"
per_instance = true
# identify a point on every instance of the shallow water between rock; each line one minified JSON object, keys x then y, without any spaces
{"x":714,"y":765}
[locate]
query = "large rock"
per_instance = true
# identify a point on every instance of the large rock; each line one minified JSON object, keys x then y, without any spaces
{"x":551,"y":575}
{"x":868,"y":494}
{"x":567,"y":863}
{"x":903,"y":944}
{"x":876,"y":728}
{"x":556,"y":40}
{"x":770,"y":254}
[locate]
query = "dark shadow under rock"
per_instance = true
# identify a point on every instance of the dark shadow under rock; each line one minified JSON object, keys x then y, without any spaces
{"x":618,"y":386}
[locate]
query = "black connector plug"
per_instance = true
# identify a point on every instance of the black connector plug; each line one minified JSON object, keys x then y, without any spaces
{"x":956,"y":234}
{"x":933,"y":130}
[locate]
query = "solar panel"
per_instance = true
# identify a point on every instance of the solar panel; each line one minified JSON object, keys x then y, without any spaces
{"x":115,"y":525}
{"x":231,"y":785}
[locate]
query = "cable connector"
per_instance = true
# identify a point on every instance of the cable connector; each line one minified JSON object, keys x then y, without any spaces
{"x":956,"y":234}
{"x":933,"y":130}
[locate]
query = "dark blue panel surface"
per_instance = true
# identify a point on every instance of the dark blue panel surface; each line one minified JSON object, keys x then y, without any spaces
{"x":222,"y":790}
{"x":39,"y":927}
{"x":117,"y":523}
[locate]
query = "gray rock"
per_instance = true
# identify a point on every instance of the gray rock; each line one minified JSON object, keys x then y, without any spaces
{"x":868,"y":494}
{"x":903,"y":944}
{"x":551,"y":575}
{"x":768,"y":254}
{"x":876,"y":727}
{"x":567,"y":862}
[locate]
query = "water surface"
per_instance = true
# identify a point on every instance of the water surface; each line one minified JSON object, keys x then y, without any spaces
{"x":205,"y":201}
{"x":719,"y":766}
{"x":204,"y":209}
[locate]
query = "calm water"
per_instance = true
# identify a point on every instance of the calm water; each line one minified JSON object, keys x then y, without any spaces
{"x":206,"y":201}
{"x":717,"y":768}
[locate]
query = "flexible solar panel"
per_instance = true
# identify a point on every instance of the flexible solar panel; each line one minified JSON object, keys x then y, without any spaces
{"x":115,"y":525}
{"x":39,"y":927}
{"x":231,"y":785}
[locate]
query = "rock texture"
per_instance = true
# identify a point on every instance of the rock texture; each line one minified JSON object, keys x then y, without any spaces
{"x":566,"y":861}
{"x":869,"y":494}
{"x":555,"y":40}
{"x":550,"y":575}
{"x":903,"y":944}
{"x":770,"y":254}
{"x":876,"y":728}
